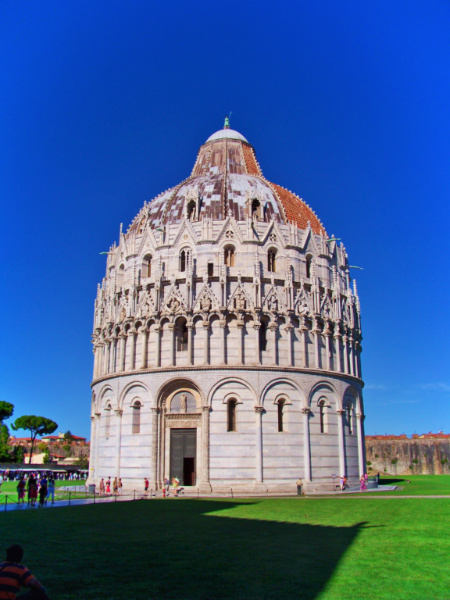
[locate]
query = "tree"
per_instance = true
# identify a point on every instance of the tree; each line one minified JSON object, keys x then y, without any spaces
{"x":36,"y":426}
{"x":83,"y":462}
{"x":68,"y":437}
{"x":6,"y":410}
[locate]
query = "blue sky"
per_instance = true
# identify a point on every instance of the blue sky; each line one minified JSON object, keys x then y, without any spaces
{"x":104,"y":105}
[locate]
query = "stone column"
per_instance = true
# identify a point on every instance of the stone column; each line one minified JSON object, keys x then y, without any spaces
{"x":306,"y":444}
{"x":359,"y":424}
{"x":190,"y":327}
{"x":158,"y":345}
{"x":344,"y":341}
{"x":144,"y":341}
{"x":172,"y":344}
{"x":256,"y":327}
{"x":119,"y":414}
{"x":132,"y":346}
{"x":304,"y":344}
{"x":122,"y":351}
{"x":205,"y":485}
{"x":107,"y":356}
{"x":341,"y":414}
{"x":274,"y":328}
{"x":352,"y":355}
{"x":206,"y":342}
{"x":92,"y":457}
{"x":358,"y":359}
{"x":289,"y":329}
{"x":154,"y":460}
{"x":97,"y":436}
{"x":337,"y":344}
{"x":223,"y":328}
{"x":316,"y":332}
{"x":259,"y":444}
{"x":327,"y":350}
{"x":240,"y":328}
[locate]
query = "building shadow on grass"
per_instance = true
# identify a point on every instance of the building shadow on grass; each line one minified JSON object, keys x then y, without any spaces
{"x":204,"y":555}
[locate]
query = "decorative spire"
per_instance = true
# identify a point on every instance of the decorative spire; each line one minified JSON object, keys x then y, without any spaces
{"x":226,"y":125}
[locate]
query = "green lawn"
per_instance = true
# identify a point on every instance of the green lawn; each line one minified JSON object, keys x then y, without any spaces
{"x":9,"y":488}
{"x":429,"y":485}
{"x":308,"y":548}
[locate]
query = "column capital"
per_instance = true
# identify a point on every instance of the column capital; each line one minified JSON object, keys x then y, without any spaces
{"x":206,"y":324}
{"x":119,"y":412}
{"x":360,"y":416}
{"x":189,"y":325}
{"x":223,"y":324}
{"x":206,"y":409}
{"x":340,"y":412}
{"x":171,"y":326}
{"x":143,"y":329}
{"x":289,"y":328}
{"x":256,"y":325}
{"x":306,"y":410}
{"x":154,"y":409}
{"x":259,"y":410}
{"x":273,"y":326}
{"x":240,"y":323}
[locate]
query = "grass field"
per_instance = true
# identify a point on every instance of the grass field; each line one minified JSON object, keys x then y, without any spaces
{"x":309,"y":548}
{"x":419,"y":484}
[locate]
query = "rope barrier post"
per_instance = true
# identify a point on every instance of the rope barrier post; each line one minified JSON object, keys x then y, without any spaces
{"x":69,"y":497}
{"x":134,"y":494}
{"x":6,"y":501}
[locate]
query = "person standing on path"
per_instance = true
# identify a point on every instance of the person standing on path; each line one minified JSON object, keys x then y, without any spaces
{"x":51,"y":489}
{"x":21,"y":490}
{"x":146,"y":484}
{"x":13,"y":576}
{"x":102,"y":487}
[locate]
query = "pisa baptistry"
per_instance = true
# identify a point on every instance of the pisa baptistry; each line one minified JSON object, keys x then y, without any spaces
{"x":227,"y":339}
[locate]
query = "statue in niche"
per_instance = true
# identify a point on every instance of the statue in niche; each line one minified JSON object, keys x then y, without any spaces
{"x":173,"y":305}
{"x":239,"y":300}
{"x":206,"y":304}
{"x":183,"y":403}
{"x":273,"y":303}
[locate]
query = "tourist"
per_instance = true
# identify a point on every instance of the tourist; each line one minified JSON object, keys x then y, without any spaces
{"x":32,"y":490}
{"x":102,"y":487}
{"x":299,"y":486}
{"x":115,"y":486}
{"x":341,"y":482}
{"x":175,"y":484}
{"x":13,"y":576}
{"x":108,"y":486}
{"x":42,"y":492}
{"x":21,"y":490}
{"x":1,"y":481}
{"x":51,"y":489}
{"x":363,"y":484}
{"x":166,"y":487}
{"x":120,"y":486}
{"x":146,"y":484}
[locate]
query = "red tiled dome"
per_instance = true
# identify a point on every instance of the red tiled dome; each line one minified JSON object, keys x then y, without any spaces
{"x":225,"y":175}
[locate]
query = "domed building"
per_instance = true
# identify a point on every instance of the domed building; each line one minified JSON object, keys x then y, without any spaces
{"x":227,"y":339}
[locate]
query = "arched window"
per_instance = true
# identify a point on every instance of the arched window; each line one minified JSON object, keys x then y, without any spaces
{"x":348,"y":410}
{"x":271,"y":260}
{"x":107,"y":420}
{"x":322,"y":415}
{"x":263,"y":336}
{"x":121,"y":276}
{"x":182,"y":336}
{"x":308,"y":266}
{"x":256,"y":209}
{"x":184,"y":259}
{"x":210,"y":269}
{"x":191,"y":209}
{"x":231,"y":414}
{"x":229,"y":256}
{"x":136,"y":417}
{"x":147,"y":266}
{"x":280,"y":404}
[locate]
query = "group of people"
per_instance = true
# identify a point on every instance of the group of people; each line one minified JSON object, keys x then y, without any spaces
{"x":105,"y":487}
{"x":362,"y":482}
{"x":44,"y":488}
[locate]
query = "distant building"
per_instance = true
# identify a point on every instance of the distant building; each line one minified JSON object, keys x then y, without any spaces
{"x":227,"y":338}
